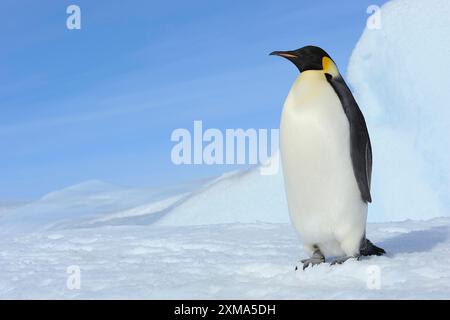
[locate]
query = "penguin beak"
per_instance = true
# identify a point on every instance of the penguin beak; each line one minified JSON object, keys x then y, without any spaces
{"x":284,"y":54}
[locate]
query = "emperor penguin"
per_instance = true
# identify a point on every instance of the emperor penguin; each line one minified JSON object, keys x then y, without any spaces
{"x":327,"y":160}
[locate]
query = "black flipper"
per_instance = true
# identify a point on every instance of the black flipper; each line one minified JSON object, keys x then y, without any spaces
{"x":360,"y":148}
{"x":367,"y":248}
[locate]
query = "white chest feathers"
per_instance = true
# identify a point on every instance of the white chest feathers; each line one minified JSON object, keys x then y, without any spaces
{"x":324,"y":200}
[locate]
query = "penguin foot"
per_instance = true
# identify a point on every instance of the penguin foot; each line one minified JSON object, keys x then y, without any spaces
{"x":311,"y":262}
{"x":317,"y":258}
{"x":341,"y":260}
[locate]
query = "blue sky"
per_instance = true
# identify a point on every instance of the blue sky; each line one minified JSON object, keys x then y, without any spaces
{"x":101,"y":102}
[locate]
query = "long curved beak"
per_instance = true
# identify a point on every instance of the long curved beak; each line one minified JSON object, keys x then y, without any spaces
{"x":284,"y":54}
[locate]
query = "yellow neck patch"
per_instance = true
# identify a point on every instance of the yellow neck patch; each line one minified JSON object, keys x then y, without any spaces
{"x":329,"y":67}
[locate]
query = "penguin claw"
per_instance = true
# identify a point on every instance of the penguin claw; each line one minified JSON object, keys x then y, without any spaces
{"x":310,"y":262}
{"x":341,"y":260}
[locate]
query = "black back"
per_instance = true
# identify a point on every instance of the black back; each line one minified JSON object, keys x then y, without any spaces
{"x":360,"y":147}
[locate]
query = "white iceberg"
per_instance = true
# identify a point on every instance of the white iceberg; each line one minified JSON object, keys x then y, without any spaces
{"x":399,"y":75}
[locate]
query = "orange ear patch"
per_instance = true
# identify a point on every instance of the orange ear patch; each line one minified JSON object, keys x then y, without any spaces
{"x":329,"y":67}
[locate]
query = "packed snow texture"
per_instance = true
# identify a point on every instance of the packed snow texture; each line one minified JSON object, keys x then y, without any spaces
{"x":399,"y":75}
{"x":226,"y":261}
{"x":231,"y":238}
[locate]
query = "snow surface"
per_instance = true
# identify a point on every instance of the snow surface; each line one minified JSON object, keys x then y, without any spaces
{"x":221,"y":261}
{"x":231,"y":237}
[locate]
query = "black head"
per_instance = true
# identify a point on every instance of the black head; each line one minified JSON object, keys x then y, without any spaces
{"x":306,"y":58}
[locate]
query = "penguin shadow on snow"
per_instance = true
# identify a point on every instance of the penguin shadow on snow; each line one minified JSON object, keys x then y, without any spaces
{"x":415,"y":241}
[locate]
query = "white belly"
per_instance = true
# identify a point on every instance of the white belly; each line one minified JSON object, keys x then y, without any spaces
{"x":324,"y":200}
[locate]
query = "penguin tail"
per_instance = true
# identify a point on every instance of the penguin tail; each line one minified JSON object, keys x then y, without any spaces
{"x":369,"y":249}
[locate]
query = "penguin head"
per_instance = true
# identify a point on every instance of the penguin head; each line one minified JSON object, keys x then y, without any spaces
{"x":310,"y":58}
